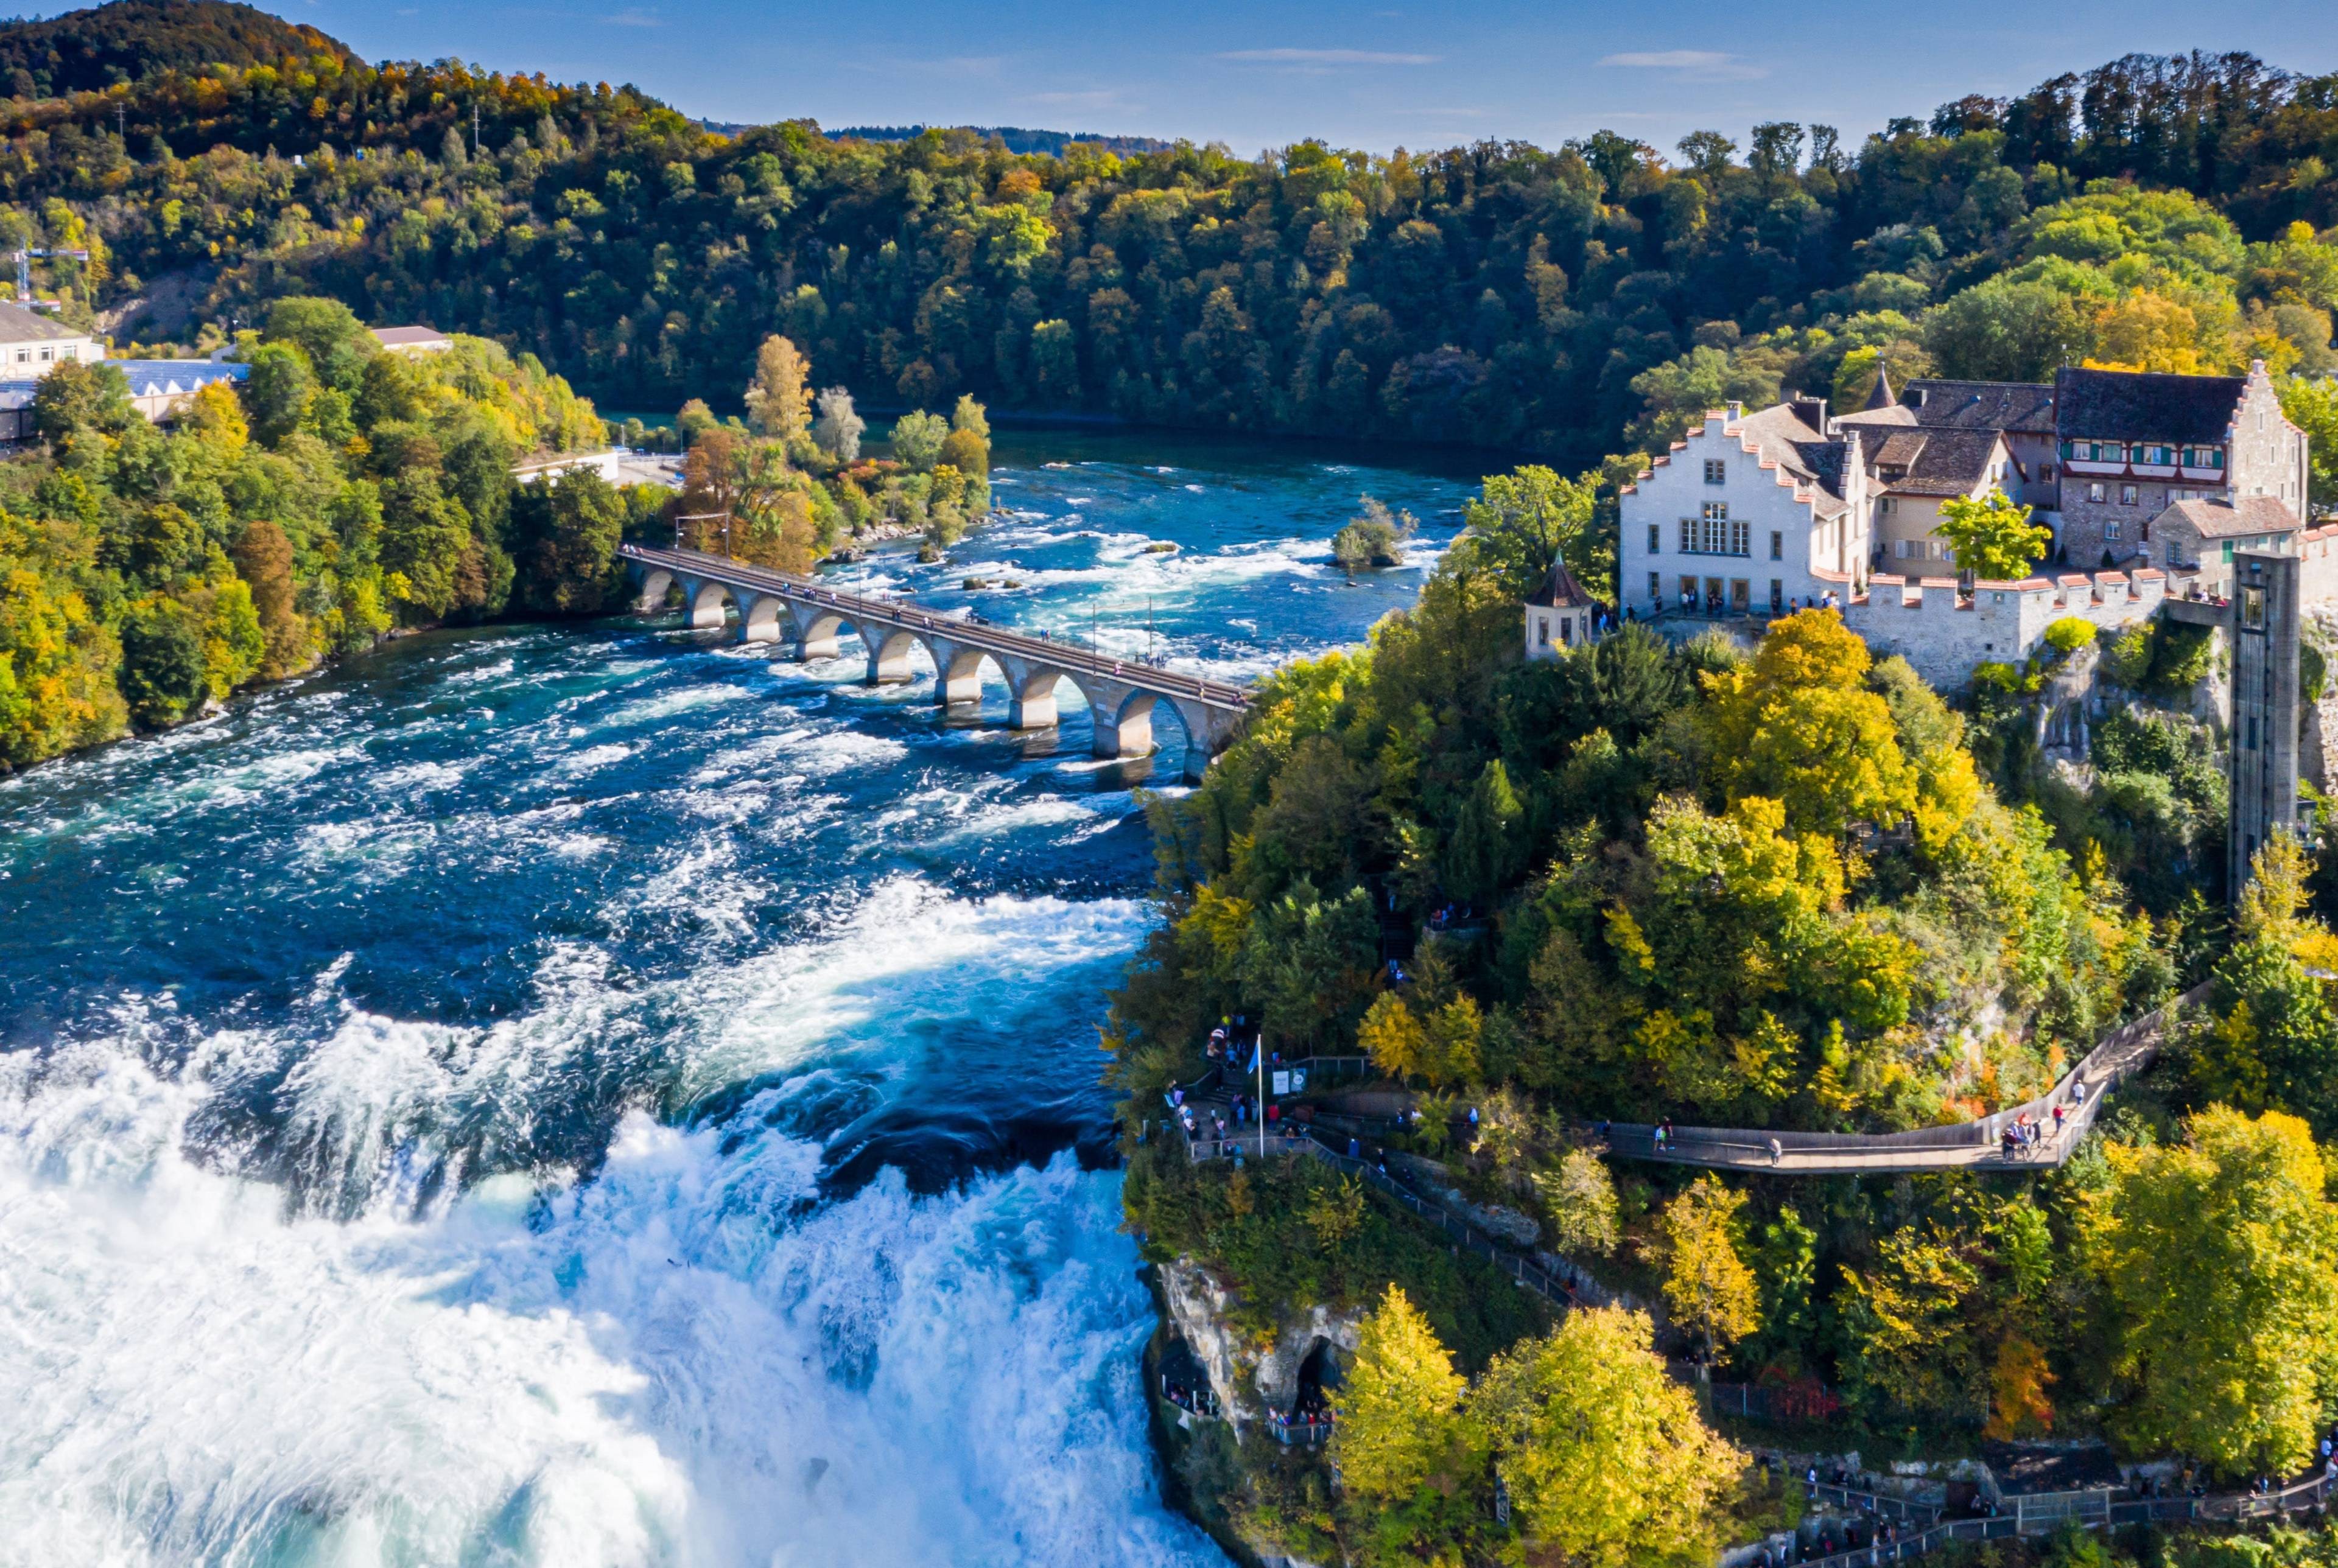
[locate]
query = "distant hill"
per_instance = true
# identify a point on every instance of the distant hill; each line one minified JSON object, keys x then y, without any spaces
{"x":1017,"y":138}
{"x":82,"y":51}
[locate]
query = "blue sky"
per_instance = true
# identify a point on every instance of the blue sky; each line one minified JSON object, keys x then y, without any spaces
{"x":1264,"y":73}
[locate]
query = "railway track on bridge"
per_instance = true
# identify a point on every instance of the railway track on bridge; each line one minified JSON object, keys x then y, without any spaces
{"x":908,"y":615}
{"x":1122,"y":694}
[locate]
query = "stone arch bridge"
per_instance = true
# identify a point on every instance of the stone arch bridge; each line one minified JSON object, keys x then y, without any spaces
{"x":808,"y":615}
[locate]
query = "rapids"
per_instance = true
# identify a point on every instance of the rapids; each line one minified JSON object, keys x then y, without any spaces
{"x":597,"y":1094}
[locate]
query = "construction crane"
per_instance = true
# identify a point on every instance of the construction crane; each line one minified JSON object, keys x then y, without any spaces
{"x":24,"y":255}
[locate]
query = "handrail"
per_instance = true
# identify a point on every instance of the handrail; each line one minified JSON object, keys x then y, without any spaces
{"x":2117,"y":1056}
{"x":909,"y":613}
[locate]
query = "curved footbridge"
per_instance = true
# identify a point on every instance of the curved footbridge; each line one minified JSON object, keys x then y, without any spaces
{"x":809,"y":615}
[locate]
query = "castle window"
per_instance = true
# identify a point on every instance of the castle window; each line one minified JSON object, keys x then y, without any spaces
{"x":1715,"y":471}
{"x":2111,"y":529}
{"x":2128,"y":494}
{"x":2095,"y":493}
{"x":1655,"y":539}
{"x":1777,"y":545}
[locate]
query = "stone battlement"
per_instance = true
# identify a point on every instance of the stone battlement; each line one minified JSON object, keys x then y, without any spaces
{"x":1944,"y":632}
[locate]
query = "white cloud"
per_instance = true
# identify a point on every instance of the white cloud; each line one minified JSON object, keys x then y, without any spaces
{"x":633,"y":16}
{"x":1325,"y":57}
{"x":1691,"y":64}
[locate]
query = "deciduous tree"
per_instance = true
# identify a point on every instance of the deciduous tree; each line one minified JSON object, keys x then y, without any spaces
{"x":1992,"y":537}
{"x":2219,"y":1258}
{"x":1400,"y":1417}
{"x":1606,"y":1460}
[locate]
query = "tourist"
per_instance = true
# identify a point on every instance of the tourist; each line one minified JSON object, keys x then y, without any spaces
{"x":1777,"y":1152}
{"x":1356,"y":1151}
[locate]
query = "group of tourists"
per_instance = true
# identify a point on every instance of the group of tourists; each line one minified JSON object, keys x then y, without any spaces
{"x":2027,"y":1132}
{"x":1197,"y":1400}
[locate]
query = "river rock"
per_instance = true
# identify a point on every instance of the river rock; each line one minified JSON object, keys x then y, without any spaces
{"x":1250,"y":1381}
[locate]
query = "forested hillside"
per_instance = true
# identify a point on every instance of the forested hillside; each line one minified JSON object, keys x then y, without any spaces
{"x":85,"y":50}
{"x":2155,"y":211}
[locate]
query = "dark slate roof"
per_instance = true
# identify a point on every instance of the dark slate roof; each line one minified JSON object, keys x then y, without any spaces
{"x":2233,"y":519}
{"x":1948,"y":462}
{"x":1982,"y":404}
{"x":1881,"y":396}
{"x":1560,"y":590}
{"x":1783,"y":438}
{"x":18,"y":325}
{"x":2131,"y":405}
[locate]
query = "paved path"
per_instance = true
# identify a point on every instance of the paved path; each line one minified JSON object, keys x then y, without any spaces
{"x":2119,"y":1056}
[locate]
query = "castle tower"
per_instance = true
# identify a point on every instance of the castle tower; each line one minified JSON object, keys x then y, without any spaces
{"x":2264,"y":738}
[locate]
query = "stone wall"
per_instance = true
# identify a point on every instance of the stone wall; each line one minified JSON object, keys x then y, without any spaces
{"x":1944,"y":633}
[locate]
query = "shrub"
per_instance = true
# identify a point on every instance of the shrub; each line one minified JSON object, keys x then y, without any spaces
{"x":2070,"y":634}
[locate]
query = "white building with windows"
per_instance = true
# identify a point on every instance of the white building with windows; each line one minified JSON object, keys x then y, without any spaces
{"x":1751,"y":512}
{"x":31,"y":344}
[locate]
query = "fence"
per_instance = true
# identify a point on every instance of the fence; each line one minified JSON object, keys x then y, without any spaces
{"x":1300,"y":1434}
{"x":1800,"y":1400}
{"x":2117,"y":1056}
{"x":2044,"y":1512}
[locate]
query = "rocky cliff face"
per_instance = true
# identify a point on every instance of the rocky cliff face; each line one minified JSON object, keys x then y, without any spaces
{"x":1252,"y":1380}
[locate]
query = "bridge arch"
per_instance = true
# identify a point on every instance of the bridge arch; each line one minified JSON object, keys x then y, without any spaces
{"x":815,"y":631}
{"x":958,"y":671}
{"x":763,"y":618}
{"x":709,"y":604}
{"x":889,"y":653}
{"x":656,"y":583}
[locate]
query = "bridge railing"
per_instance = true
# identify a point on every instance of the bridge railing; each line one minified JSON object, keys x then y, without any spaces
{"x":909,"y":613}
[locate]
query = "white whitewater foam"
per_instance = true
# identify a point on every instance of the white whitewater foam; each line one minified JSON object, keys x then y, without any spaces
{"x":663,"y":1366}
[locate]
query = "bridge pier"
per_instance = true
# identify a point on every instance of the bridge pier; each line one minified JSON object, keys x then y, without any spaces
{"x":813,"y":633}
{"x":889,"y":656}
{"x":1127,"y":733}
{"x":1032,"y":709}
{"x":760,"y":617}
{"x":704,"y":605}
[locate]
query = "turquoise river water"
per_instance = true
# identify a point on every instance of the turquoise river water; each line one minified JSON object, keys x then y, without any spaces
{"x":601,"y":1095}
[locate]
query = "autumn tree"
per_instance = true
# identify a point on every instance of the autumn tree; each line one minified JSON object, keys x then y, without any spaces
{"x":1707,"y":1285}
{"x":1906,"y":1309}
{"x":779,"y":400}
{"x":1797,"y":723}
{"x":263,"y":559}
{"x":1992,"y":537}
{"x":1580,"y":1198}
{"x":1391,"y":1037}
{"x":1400,"y":1418}
{"x":839,"y":428}
{"x":2219,"y":1258}
{"x":1605,"y":1457}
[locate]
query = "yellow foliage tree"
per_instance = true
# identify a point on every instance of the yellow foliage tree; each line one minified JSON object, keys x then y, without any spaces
{"x":1707,"y":1285}
{"x":1400,"y":1417}
{"x":1797,"y":723}
{"x":1913,"y":1344}
{"x":1449,"y":1052}
{"x":2018,"y":1407}
{"x":2219,"y":1257}
{"x":1606,"y":1460}
{"x":779,"y":400}
{"x":1391,"y":1037}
